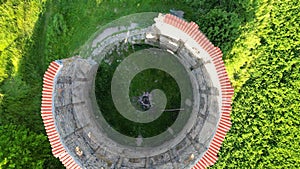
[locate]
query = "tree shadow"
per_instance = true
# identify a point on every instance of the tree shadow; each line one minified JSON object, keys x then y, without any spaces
{"x":221,"y":20}
{"x":32,"y":68}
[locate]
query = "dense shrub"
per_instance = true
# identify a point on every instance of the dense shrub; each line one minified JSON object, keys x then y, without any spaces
{"x":221,"y":27}
{"x":17,"y":19}
{"x":265,"y":131}
{"x":22,"y":148}
{"x":263,"y":63}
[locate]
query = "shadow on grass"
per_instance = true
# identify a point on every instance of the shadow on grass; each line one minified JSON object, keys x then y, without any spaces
{"x":145,"y":81}
{"x":221,"y":20}
{"x":32,"y":68}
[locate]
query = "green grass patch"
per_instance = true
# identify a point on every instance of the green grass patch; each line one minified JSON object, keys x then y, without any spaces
{"x":145,"y":81}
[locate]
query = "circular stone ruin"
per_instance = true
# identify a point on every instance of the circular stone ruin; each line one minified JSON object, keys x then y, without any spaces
{"x":81,"y":137}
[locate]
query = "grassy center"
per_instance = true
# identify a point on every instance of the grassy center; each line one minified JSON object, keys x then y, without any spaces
{"x":145,"y":81}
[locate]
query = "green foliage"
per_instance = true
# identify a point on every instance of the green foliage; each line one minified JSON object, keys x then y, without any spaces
{"x":20,"y":105}
{"x":265,"y":131}
{"x":263,"y":63}
{"x":145,"y":81}
{"x":22,"y":148}
{"x":2,"y":163}
{"x":20,"y":85}
{"x":244,"y":8}
{"x":56,"y":31}
{"x":17,"y":19}
{"x":221,"y":27}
